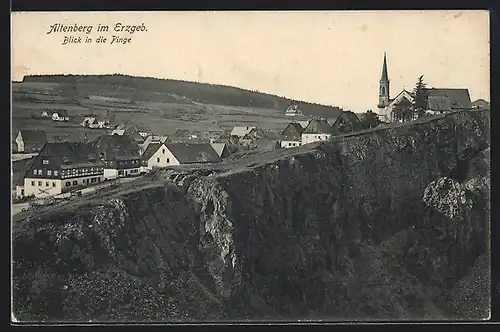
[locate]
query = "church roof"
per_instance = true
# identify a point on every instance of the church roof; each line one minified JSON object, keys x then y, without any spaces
{"x":448,"y":99}
{"x":385,"y":75}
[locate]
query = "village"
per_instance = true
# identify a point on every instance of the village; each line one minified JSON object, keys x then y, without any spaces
{"x":45,"y":171}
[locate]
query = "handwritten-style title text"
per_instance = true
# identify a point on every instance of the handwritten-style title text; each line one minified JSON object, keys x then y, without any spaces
{"x":120,"y":33}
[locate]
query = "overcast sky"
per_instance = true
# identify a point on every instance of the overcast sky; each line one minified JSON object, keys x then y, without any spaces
{"x":332,"y":58}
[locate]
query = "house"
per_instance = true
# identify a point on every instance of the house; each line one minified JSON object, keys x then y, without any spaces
{"x":101,"y":124}
{"x":293,"y":110}
{"x":152,"y":139}
{"x":29,"y":141}
{"x":246,"y":140}
{"x":61,"y":167}
{"x":45,"y":114}
{"x":250,"y":134}
{"x":292,"y":135}
{"x":226,"y":138}
{"x":18,"y":170}
{"x":119,"y":132}
{"x":144,"y":134}
{"x":304,"y":124}
{"x":346,"y":122}
{"x":95,"y":123}
{"x":403,"y":99}
{"x":88,"y":121}
{"x":61,"y":115}
{"x":241,"y":131}
{"x":317,"y":130}
{"x":446,"y":100}
{"x":119,"y":155}
{"x":481,"y":104}
{"x":159,"y":155}
{"x":126,"y":129}
{"x":221,"y":149}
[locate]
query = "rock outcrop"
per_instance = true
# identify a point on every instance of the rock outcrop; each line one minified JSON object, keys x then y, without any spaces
{"x":386,"y":224}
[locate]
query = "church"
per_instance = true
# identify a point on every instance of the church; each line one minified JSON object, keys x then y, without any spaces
{"x":439,"y":100}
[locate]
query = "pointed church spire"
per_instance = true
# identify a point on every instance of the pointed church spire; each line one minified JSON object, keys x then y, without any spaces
{"x":385,"y":76}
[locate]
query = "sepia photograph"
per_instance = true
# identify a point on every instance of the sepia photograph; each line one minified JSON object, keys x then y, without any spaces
{"x":250,"y":166}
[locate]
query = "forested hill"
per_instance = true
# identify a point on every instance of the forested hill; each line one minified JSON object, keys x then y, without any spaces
{"x":197,"y":92}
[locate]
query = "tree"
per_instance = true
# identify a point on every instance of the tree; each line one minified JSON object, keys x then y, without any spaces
{"x":421,"y":98}
{"x":369,"y":119}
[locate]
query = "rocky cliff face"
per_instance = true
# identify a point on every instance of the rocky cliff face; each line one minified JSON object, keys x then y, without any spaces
{"x":387,"y":224}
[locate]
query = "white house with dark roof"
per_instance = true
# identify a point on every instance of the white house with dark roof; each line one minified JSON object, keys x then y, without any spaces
{"x":241,"y":131}
{"x":61,"y":167}
{"x":119,"y":155}
{"x":292,"y":135}
{"x":293,"y":110}
{"x":29,"y":141}
{"x":61,"y":115}
{"x":160,"y":155}
{"x":316,"y":130}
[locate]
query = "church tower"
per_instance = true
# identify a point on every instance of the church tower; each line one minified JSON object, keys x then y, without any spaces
{"x":383,"y":94}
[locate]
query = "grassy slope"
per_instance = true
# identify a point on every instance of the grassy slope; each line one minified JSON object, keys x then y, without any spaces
{"x":146,"y":88}
{"x":161,"y":106}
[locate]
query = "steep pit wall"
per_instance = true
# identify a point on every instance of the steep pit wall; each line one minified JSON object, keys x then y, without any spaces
{"x":325,"y":231}
{"x":287,"y":226}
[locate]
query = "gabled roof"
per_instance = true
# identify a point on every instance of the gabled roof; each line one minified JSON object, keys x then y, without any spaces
{"x":66,"y":154}
{"x":448,"y":99}
{"x":118,"y":132}
{"x":346,"y":122}
{"x":33,"y":136}
{"x":220,"y":148}
{"x":116,"y":147}
{"x":481,"y":103}
{"x":150,"y":150}
{"x":241,"y":131}
{"x":193,"y":153}
{"x":292,"y":132}
{"x":304,"y":124}
{"x":318,"y":127}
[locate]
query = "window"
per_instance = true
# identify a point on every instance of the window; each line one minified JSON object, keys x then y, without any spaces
{"x":39,"y":172}
{"x":158,"y":160}
{"x":49,"y":172}
{"x":68,"y":184}
{"x":55,"y":173}
{"x":35,"y":171}
{"x":383,"y":90}
{"x":163,"y":151}
{"x":47,"y":184}
{"x":45,"y":162}
{"x":53,"y":184}
{"x":289,"y":144}
{"x":75,"y":183}
{"x":92,"y":180}
{"x":120,"y":172}
{"x":40,"y":183}
{"x":168,"y":160}
{"x":98,"y":179}
{"x":32,"y":183}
